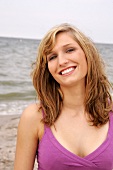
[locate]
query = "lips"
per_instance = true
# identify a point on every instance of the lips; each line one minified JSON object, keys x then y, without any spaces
{"x":67,"y":70}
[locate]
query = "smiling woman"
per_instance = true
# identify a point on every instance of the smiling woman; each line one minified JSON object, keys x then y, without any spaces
{"x":67,"y":62}
{"x":72,"y":126}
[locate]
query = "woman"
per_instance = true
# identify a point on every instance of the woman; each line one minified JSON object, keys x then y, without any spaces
{"x":72,"y":125}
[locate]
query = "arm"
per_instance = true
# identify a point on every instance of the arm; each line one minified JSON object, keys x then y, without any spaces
{"x":28,"y":135}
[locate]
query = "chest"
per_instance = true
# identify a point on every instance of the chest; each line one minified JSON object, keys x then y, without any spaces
{"x":57,"y":148}
{"x":80,"y":138}
{"x":53,"y":155}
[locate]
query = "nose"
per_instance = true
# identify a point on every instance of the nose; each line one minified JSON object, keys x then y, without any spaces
{"x":62,"y":60}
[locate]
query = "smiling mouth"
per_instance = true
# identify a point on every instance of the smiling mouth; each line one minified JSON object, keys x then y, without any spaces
{"x":68,"y":70}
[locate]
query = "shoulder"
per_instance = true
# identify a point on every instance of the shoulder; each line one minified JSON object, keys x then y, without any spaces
{"x":30,"y":119}
{"x":28,"y":135}
{"x":32,"y":113}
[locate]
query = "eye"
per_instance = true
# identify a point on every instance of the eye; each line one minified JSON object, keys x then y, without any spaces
{"x":70,"y":50}
{"x":52,"y":57}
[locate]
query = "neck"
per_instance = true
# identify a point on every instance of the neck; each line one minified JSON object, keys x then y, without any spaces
{"x":74,"y":99}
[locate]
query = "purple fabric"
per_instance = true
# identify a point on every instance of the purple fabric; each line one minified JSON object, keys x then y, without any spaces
{"x":53,"y":156}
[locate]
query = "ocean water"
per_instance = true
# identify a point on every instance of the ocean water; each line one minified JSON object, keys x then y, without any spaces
{"x":16,"y":58}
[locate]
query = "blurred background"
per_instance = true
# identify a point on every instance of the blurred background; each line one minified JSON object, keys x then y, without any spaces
{"x":22,"y":26}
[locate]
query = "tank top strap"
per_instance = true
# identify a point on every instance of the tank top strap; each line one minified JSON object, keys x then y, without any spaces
{"x":45,"y":127}
{"x":111,"y":123}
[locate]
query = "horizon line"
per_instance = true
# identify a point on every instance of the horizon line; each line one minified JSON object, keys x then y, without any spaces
{"x":29,"y":38}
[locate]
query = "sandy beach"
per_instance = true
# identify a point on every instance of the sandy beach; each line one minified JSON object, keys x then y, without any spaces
{"x":8,"y":134}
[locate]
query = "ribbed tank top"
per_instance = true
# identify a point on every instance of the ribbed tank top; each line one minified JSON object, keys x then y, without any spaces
{"x":53,"y":156}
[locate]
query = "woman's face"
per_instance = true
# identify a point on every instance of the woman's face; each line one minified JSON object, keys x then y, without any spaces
{"x":67,"y":62}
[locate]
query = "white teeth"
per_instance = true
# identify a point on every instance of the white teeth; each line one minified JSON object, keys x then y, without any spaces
{"x":67,"y":70}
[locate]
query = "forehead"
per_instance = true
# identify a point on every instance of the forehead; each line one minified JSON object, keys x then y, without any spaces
{"x":59,"y":39}
{"x":64,"y":39}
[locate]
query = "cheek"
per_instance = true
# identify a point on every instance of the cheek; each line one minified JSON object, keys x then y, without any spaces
{"x":83,"y":63}
{"x":51,"y":68}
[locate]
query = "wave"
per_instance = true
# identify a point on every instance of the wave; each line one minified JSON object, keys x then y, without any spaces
{"x":18,"y":96}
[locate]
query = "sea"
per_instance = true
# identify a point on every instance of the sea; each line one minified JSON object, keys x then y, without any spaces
{"x":16,"y":58}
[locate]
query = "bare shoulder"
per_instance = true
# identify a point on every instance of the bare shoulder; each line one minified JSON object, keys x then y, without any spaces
{"x":31,"y":119}
{"x":29,"y":132}
{"x":32,"y":111}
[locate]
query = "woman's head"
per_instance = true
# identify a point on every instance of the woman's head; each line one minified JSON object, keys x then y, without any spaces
{"x":91,"y":53}
{"x":67,"y":62}
{"x":48,"y":89}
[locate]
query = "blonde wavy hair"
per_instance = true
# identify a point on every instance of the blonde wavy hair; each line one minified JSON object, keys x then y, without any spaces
{"x":98,"y":100}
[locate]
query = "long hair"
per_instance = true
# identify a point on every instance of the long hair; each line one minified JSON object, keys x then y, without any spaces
{"x":98,"y":100}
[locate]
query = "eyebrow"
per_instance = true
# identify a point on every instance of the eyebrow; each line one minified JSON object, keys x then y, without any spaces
{"x":67,"y":45}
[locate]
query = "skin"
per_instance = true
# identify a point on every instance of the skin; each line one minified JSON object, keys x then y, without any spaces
{"x":67,"y":54}
{"x":72,"y":128}
{"x":30,"y":130}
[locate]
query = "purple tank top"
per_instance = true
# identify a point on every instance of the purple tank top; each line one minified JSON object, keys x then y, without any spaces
{"x":53,"y":156}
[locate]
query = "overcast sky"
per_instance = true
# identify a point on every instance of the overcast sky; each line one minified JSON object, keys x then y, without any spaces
{"x":33,"y":18}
